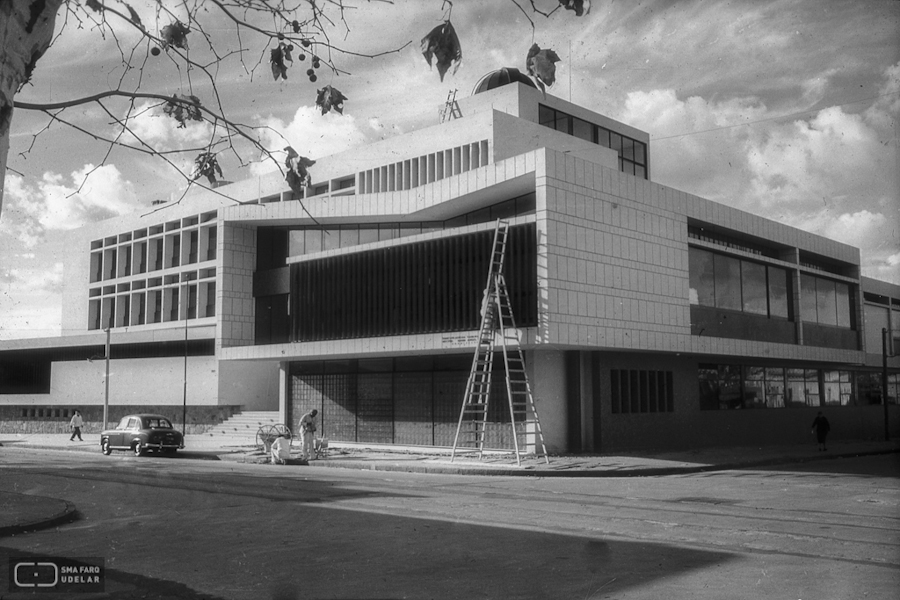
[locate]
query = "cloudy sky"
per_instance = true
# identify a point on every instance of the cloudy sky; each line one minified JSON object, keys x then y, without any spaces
{"x":786,"y":109}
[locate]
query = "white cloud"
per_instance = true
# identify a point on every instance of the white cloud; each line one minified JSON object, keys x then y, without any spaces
{"x":55,"y":202}
{"x":29,"y":304}
{"x":152,"y":126}
{"x":700,"y":150}
{"x":313,"y":134}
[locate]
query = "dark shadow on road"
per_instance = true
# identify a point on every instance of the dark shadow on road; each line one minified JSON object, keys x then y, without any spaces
{"x":314,"y":552}
{"x":116,"y":584}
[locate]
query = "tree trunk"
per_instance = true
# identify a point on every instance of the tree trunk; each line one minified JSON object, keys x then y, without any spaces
{"x":26,"y":29}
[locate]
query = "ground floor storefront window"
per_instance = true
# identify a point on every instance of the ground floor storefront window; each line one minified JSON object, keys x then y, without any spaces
{"x":728,"y":386}
{"x":413,"y":401}
{"x":870,"y":388}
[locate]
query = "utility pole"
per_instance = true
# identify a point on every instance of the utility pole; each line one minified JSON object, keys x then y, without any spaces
{"x":106,"y":385}
{"x":884,"y":382}
{"x":184,"y":391}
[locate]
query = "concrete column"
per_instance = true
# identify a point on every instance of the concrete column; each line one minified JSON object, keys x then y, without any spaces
{"x":283,"y":391}
{"x":547,"y":376}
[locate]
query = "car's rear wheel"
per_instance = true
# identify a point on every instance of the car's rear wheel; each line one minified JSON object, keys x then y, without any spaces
{"x":137,"y":449}
{"x":105,"y":447}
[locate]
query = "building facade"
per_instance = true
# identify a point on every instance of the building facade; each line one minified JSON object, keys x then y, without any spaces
{"x":648,"y":317}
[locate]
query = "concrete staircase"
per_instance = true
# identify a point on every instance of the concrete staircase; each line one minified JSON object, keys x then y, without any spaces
{"x":244,"y":425}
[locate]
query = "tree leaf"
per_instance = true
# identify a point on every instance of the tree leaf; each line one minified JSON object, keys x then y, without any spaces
{"x":175,"y":34}
{"x":541,"y":65}
{"x":442,"y":44}
{"x":206,"y":165}
{"x":183,"y":109}
{"x":577,"y":6}
{"x":297,"y":175}
{"x":328,"y":98}
{"x":276,"y":58}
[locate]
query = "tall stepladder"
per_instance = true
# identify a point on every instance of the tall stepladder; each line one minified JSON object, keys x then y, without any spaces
{"x":498,"y":327}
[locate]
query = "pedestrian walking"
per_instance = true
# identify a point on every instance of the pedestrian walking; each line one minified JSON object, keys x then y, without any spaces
{"x":76,"y":424}
{"x":821,"y":427}
{"x":308,"y":434}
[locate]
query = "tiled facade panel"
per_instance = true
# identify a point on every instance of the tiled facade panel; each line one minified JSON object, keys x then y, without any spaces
{"x":236,"y":289}
{"x":617,"y":271}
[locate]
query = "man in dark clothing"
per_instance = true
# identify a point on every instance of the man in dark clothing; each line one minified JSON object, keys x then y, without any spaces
{"x":821,"y":428}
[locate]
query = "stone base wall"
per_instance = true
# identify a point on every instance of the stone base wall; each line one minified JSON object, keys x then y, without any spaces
{"x":55,"y":419}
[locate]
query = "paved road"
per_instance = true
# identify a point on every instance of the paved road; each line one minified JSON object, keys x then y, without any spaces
{"x":205,"y":529}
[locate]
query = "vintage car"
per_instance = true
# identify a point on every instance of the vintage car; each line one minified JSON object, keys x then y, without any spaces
{"x":140,"y":433}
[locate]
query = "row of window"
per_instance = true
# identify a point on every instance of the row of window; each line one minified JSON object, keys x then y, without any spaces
{"x":727,"y":387}
{"x":424,"y":169}
{"x":272,"y":250}
{"x":731,"y":283}
{"x":154,"y":254}
{"x":632,"y":153}
{"x":156,"y":305}
{"x":825,"y":301}
{"x":638,"y":391}
{"x":721,"y":281}
{"x":46,"y":413}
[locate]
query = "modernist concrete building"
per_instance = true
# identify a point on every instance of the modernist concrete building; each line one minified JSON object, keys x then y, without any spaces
{"x":649,"y":317}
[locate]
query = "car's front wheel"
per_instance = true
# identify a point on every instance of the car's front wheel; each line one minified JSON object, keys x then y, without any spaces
{"x":138,"y":449}
{"x":105,"y":447}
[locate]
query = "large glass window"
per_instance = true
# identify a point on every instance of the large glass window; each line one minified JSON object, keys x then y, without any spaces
{"x":802,"y":387}
{"x":825,"y":301}
{"x":702,"y":277}
{"x":775,"y":387}
{"x":720,"y":387}
{"x":728,"y":387}
{"x":753,"y":288}
{"x":734,"y":284}
{"x":632,"y":153}
{"x":778,"y":292}
{"x":842,"y":303}
{"x":728,"y":282}
{"x":582,"y":129}
{"x":808,"y":299}
{"x":837,"y":387}
{"x":763,"y":387}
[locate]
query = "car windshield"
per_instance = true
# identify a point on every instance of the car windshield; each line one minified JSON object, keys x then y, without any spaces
{"x":155,"y":423}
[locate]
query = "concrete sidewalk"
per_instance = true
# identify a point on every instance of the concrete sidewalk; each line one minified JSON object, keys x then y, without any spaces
{"x":423,"y":459}
{"x":20,"y":513}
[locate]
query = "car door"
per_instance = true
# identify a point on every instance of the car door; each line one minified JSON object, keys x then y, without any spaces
{"x":132,"y":431}
{"x":115,"y":436}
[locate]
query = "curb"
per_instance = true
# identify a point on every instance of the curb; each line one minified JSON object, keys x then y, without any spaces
{"x":68,"y":514}
{"x":386,"y":466}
